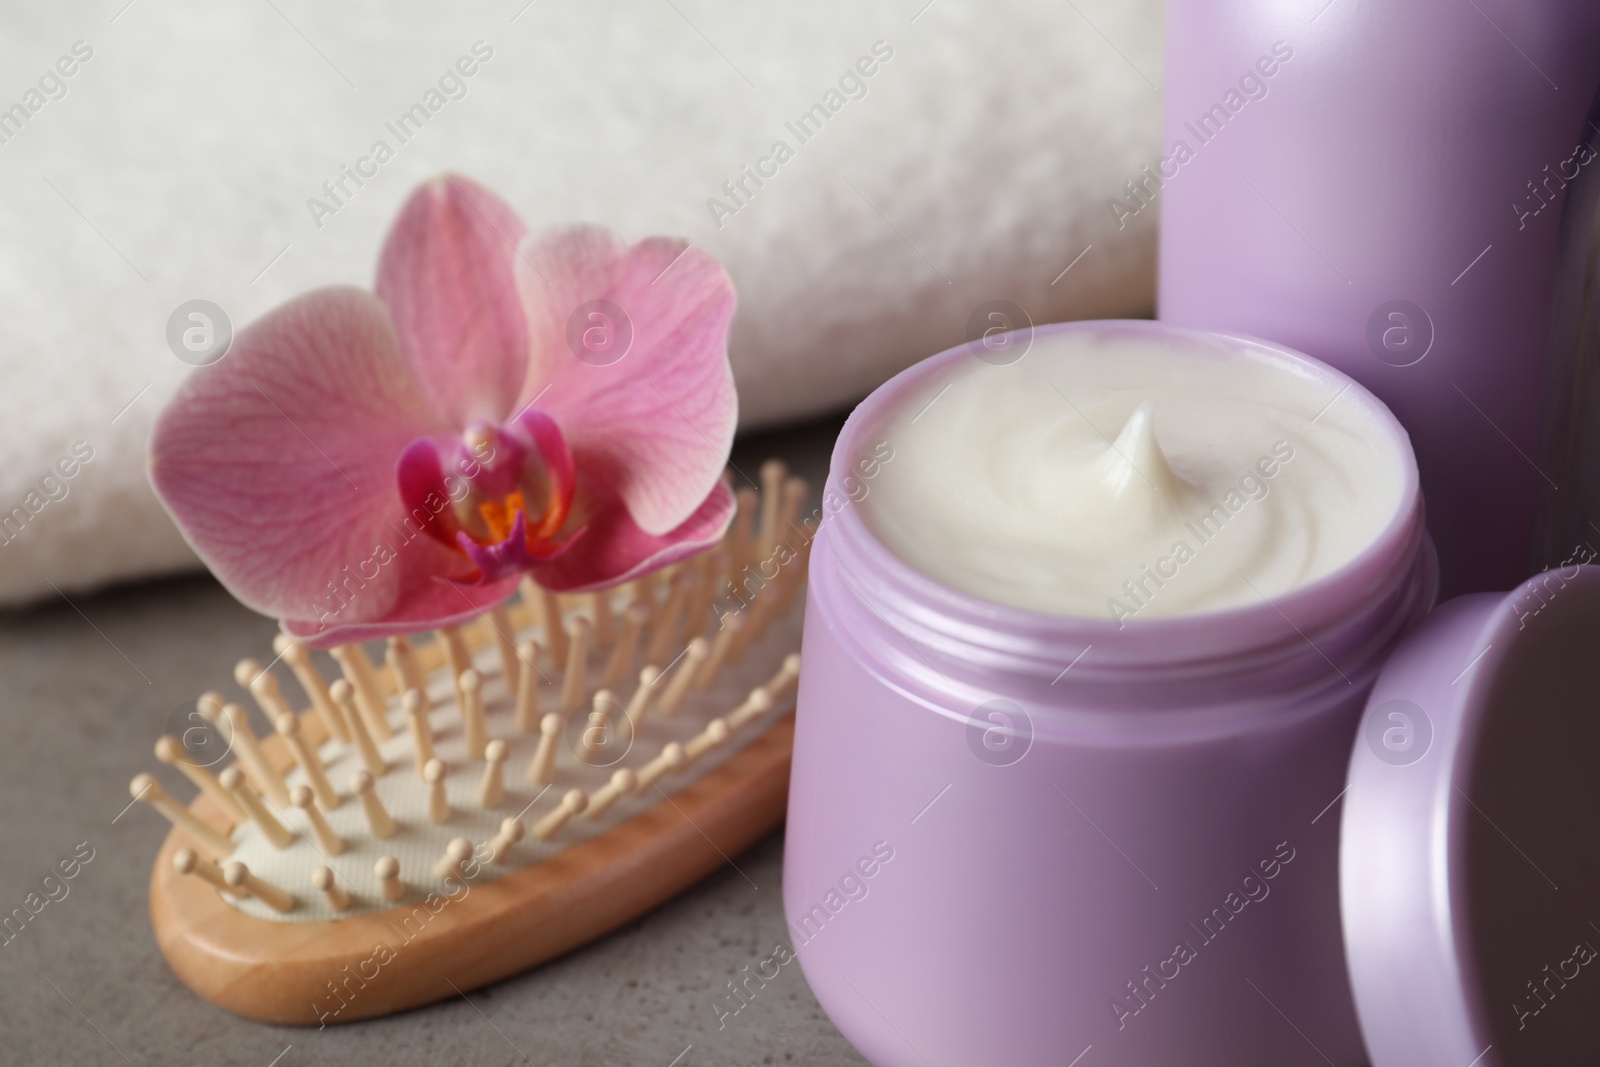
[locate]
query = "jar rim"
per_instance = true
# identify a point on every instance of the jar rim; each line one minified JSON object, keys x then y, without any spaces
{"x":1359,"y":595}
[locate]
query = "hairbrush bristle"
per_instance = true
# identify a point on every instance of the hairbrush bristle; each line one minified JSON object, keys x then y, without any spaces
{"x":323,"y":879}
{"x":238,"y":877}
{"x":573,"y":681}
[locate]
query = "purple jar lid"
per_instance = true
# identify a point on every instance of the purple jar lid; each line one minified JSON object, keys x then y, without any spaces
{"x":1470,"y":848}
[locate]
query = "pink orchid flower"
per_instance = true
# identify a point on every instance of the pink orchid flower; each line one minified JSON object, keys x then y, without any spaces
{"x":557,"y":405}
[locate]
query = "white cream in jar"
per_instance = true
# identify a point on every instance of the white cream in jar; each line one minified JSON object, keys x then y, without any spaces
{"x":1130,"y":476}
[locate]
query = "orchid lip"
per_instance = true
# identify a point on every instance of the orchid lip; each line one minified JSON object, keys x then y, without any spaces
{"x":513,"y":555}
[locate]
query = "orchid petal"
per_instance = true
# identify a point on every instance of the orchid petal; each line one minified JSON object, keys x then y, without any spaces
{"x":278,"y":462}
{"x":445,"y":274}
{"x":424,"y":493}
{"x":657,"y":423}
{"x":613,"y":548}
{"x":434,"y":602}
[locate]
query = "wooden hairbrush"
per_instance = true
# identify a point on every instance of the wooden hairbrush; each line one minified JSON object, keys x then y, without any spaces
{"x":491,"y":798}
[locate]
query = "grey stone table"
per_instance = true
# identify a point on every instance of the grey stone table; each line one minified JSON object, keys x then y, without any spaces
{"x":87,"y":686}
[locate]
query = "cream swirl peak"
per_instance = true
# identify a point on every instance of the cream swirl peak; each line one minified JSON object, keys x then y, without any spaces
{"x":1118,"y":473}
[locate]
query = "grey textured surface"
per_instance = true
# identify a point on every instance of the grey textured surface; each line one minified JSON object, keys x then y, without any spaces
{"x":88,"y":686}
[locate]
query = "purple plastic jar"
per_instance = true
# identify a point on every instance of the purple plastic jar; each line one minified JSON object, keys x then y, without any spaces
{"x":1017,"y":838}
{"x":1407,"y":191}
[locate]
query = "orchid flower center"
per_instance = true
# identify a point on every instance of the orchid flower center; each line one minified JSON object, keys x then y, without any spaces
{"x":500,"y":494}
{"x":501,"y":477}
